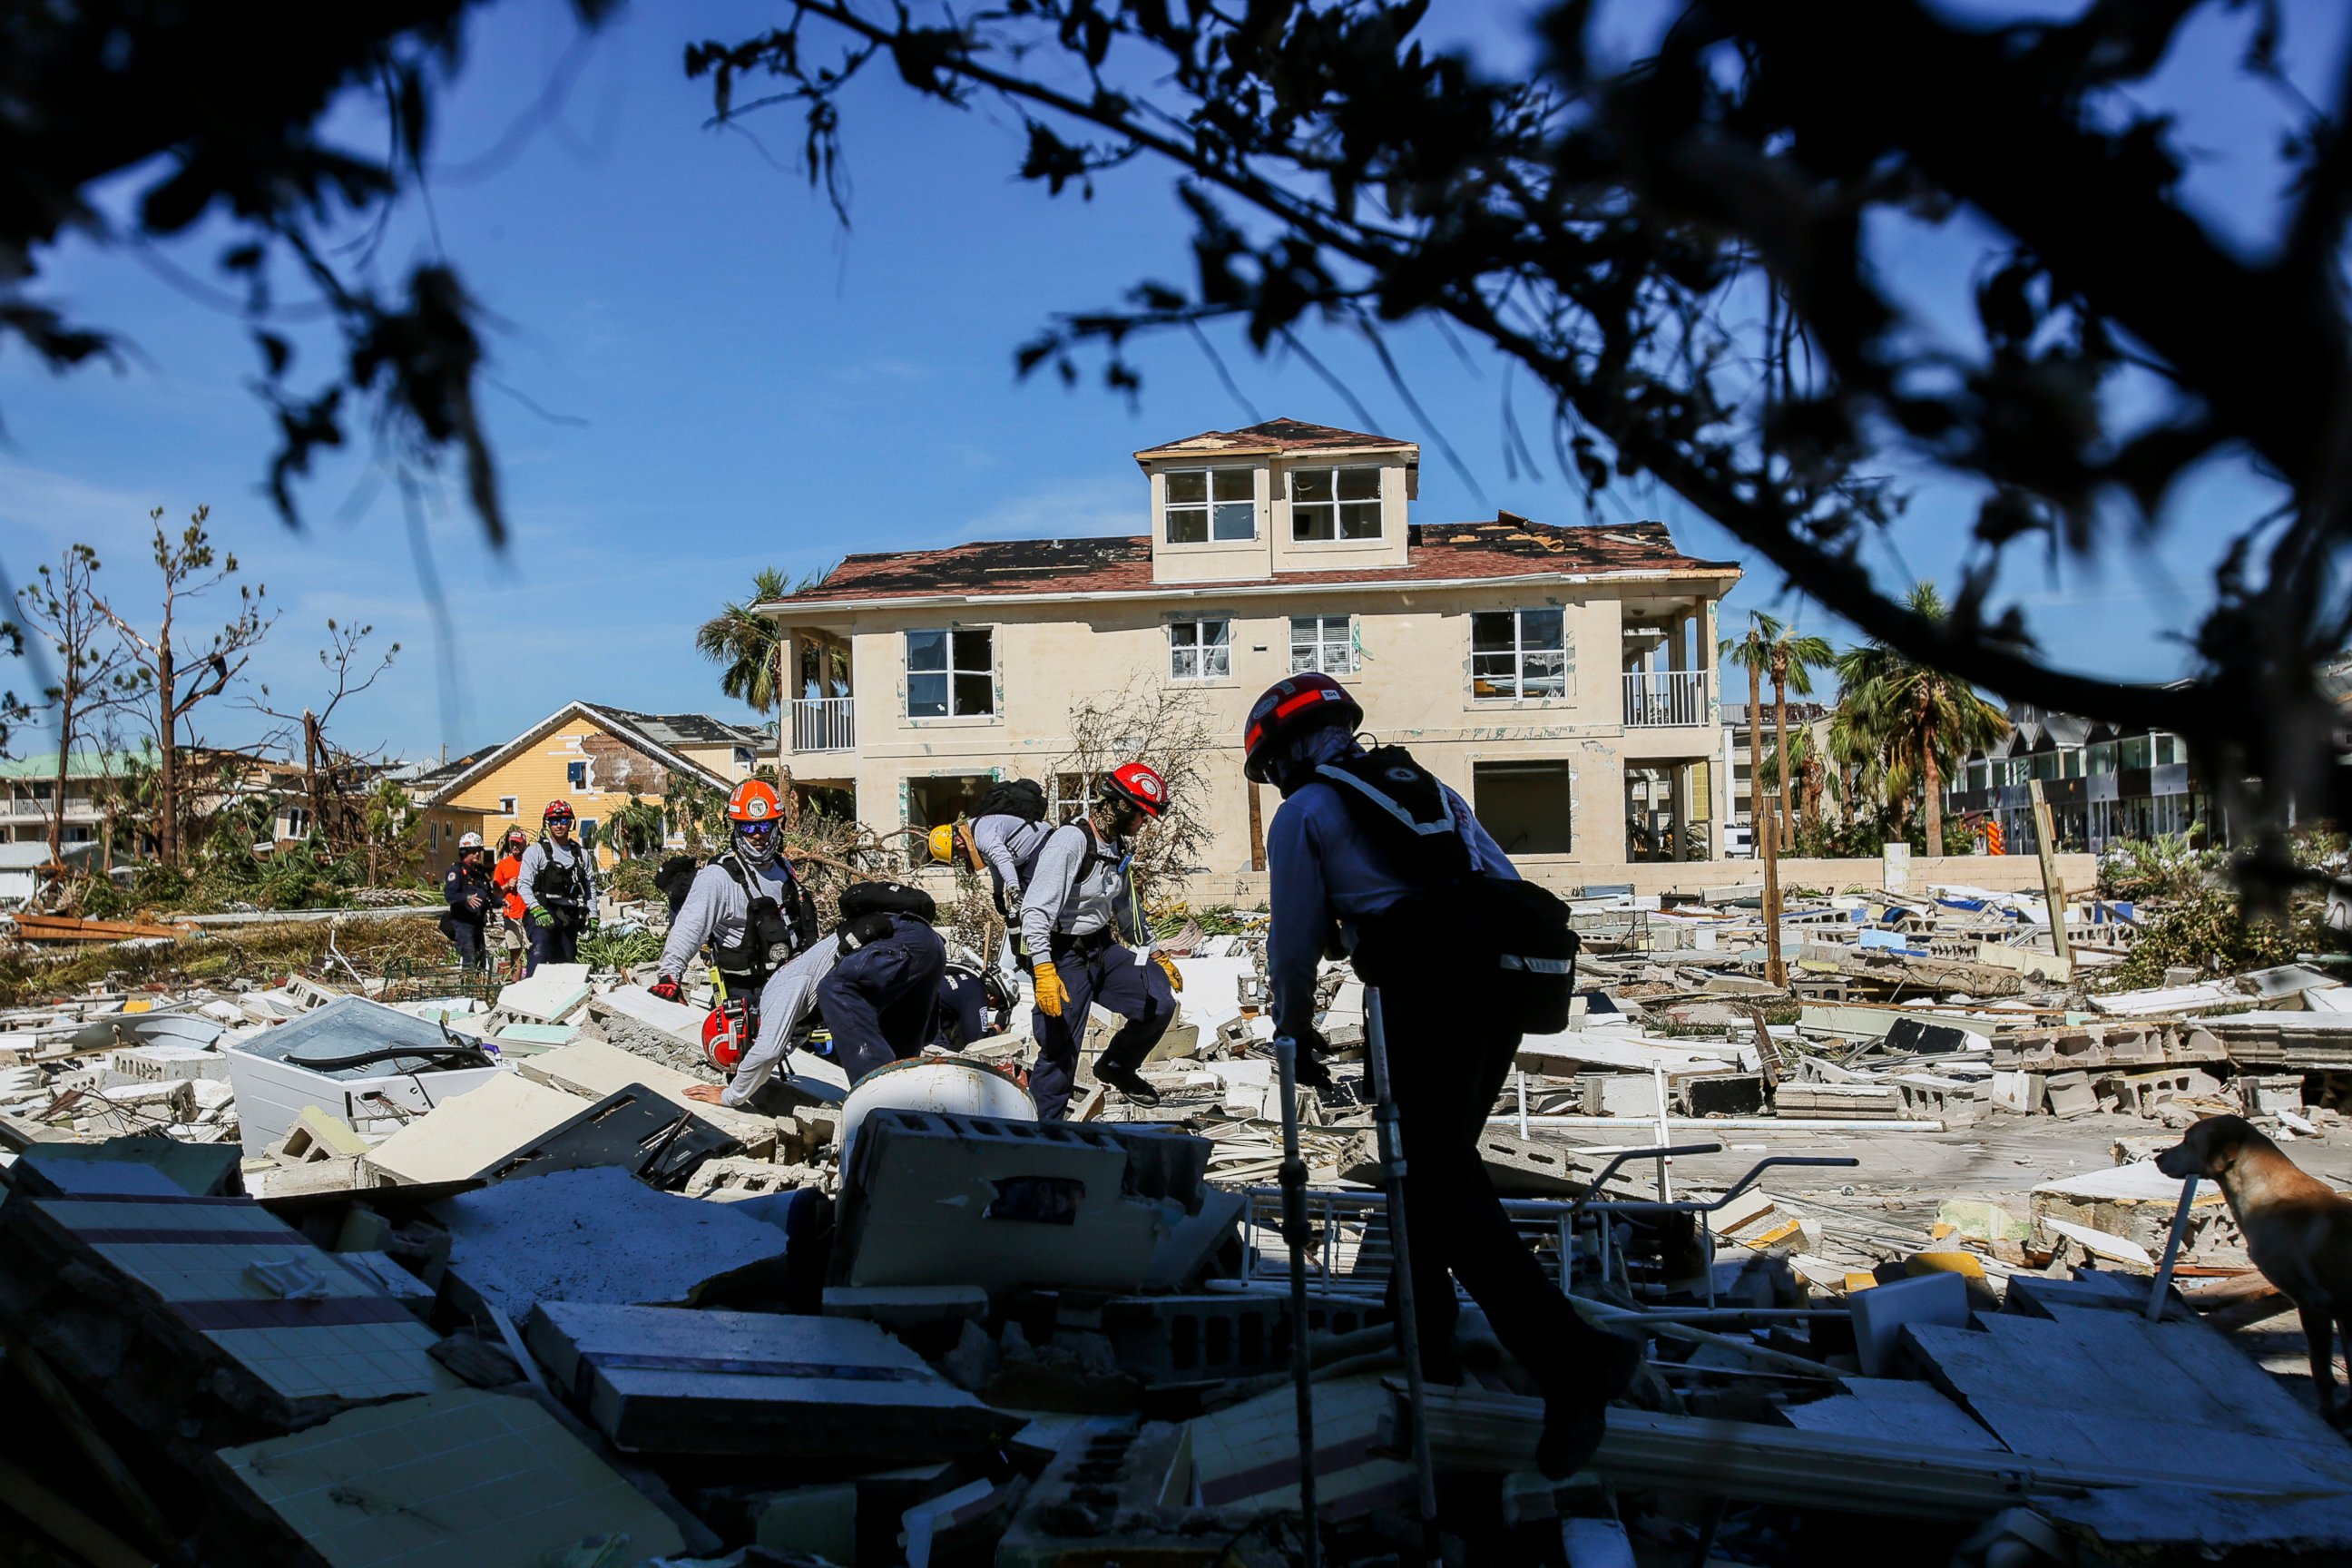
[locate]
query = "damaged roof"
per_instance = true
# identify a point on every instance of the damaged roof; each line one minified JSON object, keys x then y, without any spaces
{"x":684,"y":729}
{"x":446,"y":784}
{"x":1278,"y":436}
{"x":1507,"y":546}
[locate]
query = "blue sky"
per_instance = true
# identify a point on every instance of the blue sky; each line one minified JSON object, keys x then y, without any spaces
{"x":704,"y":373}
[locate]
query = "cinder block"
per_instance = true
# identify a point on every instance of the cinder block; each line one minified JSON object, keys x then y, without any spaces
{"x":2070,"y":1094}
{"x":162,"y":1063}
{"x":1618,"y":1094}
{"x":1196,"y":1339}
{"x":1117,"y":1496}
{"x":1521,"y":1167}
{"x":2270,"y":1093}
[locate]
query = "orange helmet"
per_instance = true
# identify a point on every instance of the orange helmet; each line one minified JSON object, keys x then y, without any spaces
{"x":756,"y":812}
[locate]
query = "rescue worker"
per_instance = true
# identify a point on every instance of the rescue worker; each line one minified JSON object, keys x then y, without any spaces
{"x":749,"y":907}
{"x":1078,"y":903}
{"x":873,"y":984}
{"x":1007,"y":829}
{"x":514,"y":944}
{"x":976,"y":1001}
{"x":557,"y":885}
{"x":1346,"y":868}
{"x":472,"y":899}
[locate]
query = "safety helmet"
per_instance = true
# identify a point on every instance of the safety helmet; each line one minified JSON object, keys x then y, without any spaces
{"x":469,"y":841}
{"x":557,"y":811}
{"x":1290,"y":708}
{"x":1137,"y":785}
{"x":722,"y":1046}
{"x":756,"y":814}
{"x":944,"y":842}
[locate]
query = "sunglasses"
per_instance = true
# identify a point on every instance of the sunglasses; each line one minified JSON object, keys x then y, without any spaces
{"x":757,"y":829}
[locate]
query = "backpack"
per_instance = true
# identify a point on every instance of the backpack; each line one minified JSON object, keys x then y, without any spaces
{"x":1024,"y":798}
{"x":888,"y":898}
{"x":1512,"y":937}
{"x":675,"y":880}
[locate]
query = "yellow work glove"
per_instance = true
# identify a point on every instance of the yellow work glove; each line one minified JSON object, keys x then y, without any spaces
{"x":1168,"y":967}
{"x":1052,"y":995}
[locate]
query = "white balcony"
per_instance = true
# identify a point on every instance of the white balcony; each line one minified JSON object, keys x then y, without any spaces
{"x":1665,"y":699}
{"x":825,"y":724}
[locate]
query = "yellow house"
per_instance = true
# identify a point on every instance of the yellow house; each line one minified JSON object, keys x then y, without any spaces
{"x":593,"y":756}
{"x":1563,"y":679}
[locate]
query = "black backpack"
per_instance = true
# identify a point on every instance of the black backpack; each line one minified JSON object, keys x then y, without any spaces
{"x":1024,"y":798}
{"x":888,"y":898}
{"x":675,"y":880}
{"x":1512,"y":935}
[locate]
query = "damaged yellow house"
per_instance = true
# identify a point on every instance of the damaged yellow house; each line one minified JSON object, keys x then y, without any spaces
{"x":1563,"y":679}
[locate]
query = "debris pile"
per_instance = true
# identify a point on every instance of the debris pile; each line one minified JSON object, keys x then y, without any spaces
{"x":363,"y":1271}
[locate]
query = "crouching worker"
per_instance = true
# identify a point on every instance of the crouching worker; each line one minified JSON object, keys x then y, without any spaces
{"x":1370,"y":855}
{"x":874,"y":985}
{"x":472,"y":897}
{"x":1079,"y":902}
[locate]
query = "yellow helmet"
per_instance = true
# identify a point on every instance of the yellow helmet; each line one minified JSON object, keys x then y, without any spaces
{"x":943,"y":845}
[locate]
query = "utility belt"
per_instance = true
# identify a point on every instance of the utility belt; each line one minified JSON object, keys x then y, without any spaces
{"x":1068,"y":946}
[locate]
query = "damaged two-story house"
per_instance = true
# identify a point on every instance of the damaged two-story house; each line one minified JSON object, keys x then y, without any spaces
{"x":1562,"y":679}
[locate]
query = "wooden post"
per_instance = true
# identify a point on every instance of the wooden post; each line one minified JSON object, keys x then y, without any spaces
{"x":1776,"y":972}
{"x":2045,"y":847}
{"x":1257,"y":830}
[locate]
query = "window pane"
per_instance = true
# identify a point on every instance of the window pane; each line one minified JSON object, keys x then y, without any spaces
{"x":1312,"y":522}
{"x":1184,"y":634}
{"x":1360,"y":520}
{"x":1359,"y":484}
{"x":1217,"y":661}
{"x":927,"y":696}
{"x":1237,"y":520}
{"x":1492,"y":630}
{"x":1542,"y":675}
{"x":927,"y":650}
{"x":1215,"y":634}
{"x":1188,"y":485}
{"x":1184,"y":663}
{"x":1235,"y":484}
{"x":1539,"y":628}
{"x":975,"y":651}
{"x":974,"y":694}
{"x":1302,"y":657}
{"x":1189,"y":527}
{"x":1310,"y":484}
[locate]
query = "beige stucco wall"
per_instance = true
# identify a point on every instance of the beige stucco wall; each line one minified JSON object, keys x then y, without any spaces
{"x":1414,"y":680}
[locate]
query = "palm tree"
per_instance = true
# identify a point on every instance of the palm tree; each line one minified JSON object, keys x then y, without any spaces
{"x":1769,"y":648}
{"x":1754,"y":652}
{"x":748,"y":645}
{"x":1813,"y":779}
{"x":1914,"y":720}
{"x":1793,"y":659}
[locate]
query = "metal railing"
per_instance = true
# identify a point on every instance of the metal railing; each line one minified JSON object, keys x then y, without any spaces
{"x":1657,"y":698}
{"x":825,"y":724}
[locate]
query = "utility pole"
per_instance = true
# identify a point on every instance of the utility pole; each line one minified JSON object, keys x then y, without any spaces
{"x":2052,"y":893}
{"x":1776,"y":971}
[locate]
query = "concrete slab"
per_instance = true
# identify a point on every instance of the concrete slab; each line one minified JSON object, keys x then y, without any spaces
{"x":673,"y":1018}
{"x":662,"y":1380}
{"x":599,"y":1236}
{"x":548,"y":996}
{"x":467,"y":1135}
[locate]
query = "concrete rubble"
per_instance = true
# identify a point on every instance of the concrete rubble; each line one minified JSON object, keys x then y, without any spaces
{"x":330,"y":1272}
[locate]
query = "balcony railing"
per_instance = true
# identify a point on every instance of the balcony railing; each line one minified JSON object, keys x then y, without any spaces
{"x":1655,"y":700}
{"x":825,"y":724}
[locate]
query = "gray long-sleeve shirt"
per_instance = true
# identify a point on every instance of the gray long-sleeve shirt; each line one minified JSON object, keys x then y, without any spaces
{"x":784,"y":1001}
{"x":717,"y":910}
{"x":1323,"y":871}
{"x":536,"y":859}
{"x":1005,"y":841}
{"x":1057,"y":899}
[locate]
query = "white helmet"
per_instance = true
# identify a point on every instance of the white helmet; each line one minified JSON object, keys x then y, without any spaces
{"x":469,"y":841}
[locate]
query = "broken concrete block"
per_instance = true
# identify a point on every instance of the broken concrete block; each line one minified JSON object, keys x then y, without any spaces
{"x":1619,"y":1094}
{"x":736,"y":1177}
{"x":473,"y":1132}
{"x":600,"y":1235}
{"x":1880,"y":1313}
{"x":2070,"y":1094}
{"x":675,"y":1019}
{"x":1202,"y":1244}
{"x":1524,"y":1168}
{"x":547,"y":997}
{"x":940,"y":1199}
{"x":906,"y":1307}
{"x":469,"y":1477}
{"x":1116,"y":1494}
{"x":318,"y":1135}
{"x":2267,"y":1095}
{"x":1245,"y":1456}
{"x":162,"y":1062}
{"x":661,"y":1380}
{"x":819,"y":1520}
{"x":2019,"y":1092}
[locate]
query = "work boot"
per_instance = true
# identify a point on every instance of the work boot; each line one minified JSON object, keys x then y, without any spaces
{"x":1128,"y":1081}
{"x":1576,"y":1412}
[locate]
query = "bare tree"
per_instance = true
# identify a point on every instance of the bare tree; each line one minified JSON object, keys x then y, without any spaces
{"x":1169,"y":730}
{"x":190,"y":569}
{"x":62,"y":610}
{"x":326,"y":767}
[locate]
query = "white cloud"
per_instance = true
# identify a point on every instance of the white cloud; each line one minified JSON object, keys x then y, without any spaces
{"x":1068,"y":509}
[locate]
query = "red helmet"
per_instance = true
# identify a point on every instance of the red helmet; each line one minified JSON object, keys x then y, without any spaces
{"x":1290,"y":707}
{"x":557,"y":811}
{"x":1140,"y":786}
{"x":721,"y":1046}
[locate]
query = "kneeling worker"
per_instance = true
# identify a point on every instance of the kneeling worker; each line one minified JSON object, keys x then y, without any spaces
{"x":1371,"y":849}
{"x":1080,"y":900}
{"x":874,"y":983}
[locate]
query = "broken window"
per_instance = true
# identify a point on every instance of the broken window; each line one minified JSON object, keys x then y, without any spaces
{"x":941,"y":798}
{"x":1527,"y":806}
{"x":1334,"y":503}
{"x":1211,"y":503}
{"x":1200,"y":651}
{"x":575,"y":774}
{"x":1324,"y":643}
{"x":506,"y":805}
{"x":1066,"y":795}
{"x":952,"y":674}
{"x":1518,"y":653}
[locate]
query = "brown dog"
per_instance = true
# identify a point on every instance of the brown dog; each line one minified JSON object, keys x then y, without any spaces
{"x":2298,"y":1230}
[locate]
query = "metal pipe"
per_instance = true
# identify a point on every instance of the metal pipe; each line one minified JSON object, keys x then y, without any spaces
{"x":1392,"y":1173}
{"x":2172,"y":1240}
{"x":1730,"y":1124}
{"x":1295,"y":1236}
